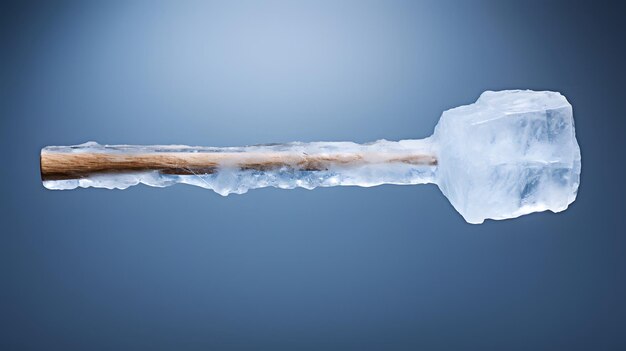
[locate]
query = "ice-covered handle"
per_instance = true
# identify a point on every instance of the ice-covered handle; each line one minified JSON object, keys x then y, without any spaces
{"x":237,"y":169}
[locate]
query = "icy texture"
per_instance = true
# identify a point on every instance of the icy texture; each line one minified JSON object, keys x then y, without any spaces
{"x":230,"y":180}
{"x":509,"y":154}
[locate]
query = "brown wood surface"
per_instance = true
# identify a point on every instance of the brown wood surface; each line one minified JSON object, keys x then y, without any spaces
{"x":64,"y":165}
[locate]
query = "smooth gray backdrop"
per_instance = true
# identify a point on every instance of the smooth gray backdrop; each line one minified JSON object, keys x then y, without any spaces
{"x":390,"y":267}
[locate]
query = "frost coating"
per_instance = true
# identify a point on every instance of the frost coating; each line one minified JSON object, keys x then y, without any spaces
{"x":511,"y":153}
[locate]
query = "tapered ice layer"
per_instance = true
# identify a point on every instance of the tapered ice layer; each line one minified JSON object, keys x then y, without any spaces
{"x":510,"y":153}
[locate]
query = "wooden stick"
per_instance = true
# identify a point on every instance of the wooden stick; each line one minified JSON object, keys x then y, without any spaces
{"x":68,"y":165}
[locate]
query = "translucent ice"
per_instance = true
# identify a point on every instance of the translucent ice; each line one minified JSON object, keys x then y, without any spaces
{"x":510,"y":153}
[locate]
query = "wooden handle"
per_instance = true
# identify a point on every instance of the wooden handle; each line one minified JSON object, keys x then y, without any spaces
{"x":68,"y":165}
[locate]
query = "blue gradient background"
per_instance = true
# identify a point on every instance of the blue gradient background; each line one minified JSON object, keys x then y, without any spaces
{"x":390,"y":267}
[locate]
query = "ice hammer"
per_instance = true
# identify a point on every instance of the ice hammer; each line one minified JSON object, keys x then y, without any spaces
{"x":511,"y":153}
